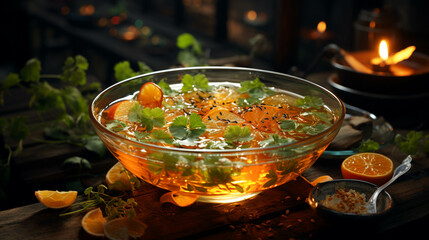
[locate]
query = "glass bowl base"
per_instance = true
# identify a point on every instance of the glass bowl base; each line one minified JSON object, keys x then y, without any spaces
{"x":229,"y":198}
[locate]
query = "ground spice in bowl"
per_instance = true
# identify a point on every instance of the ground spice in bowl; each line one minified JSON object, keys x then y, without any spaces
{"x":347,"y":201}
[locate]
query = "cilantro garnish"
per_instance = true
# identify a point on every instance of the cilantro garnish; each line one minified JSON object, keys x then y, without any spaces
{"x":166,"y":89}
{"x":369,"y":146}
{"x":288,"y":125}
{"x":256,"y":89}
{"x":190,"y":127}
{"x":235,"y":133}
{"x":123,"y":70}
{"x":197,"y":82}
{"x":146,"y":116}
{"x":309,"y":101}
{"x":413,"y":143}
{"x":275,"y":139}
{"x":116,"y":125}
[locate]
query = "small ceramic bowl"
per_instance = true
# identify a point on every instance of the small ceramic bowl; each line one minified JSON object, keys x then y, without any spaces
{"x":321,"y":190}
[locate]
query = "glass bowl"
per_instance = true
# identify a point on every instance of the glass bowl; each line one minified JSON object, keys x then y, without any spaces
{"x":217,"y":175}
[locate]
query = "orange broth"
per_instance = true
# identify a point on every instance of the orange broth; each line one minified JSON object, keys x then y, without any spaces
{"x":274,"y":120}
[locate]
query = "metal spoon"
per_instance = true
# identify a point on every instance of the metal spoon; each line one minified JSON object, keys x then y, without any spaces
{"x":399,"y":171}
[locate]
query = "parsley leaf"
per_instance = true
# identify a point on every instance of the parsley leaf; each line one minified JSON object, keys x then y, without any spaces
{"x":166,"y":89}
{"x":124,"y":71}
{"x":31,"y":71}
{"x":309,"y":101}
{"x":187,"y":127}
{"x":236,"y":133}
{"x":116,"y":125}
{"x":146,"y":116}
{"x":369,"y":146}
{"x":256,"y":89}
{"x":287,"y":125}
{"x":275,"y":139}
{"x":197,"y":82}
{"x":74,"y":70}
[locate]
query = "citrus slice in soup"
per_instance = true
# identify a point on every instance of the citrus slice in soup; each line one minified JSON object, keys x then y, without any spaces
{"x":263,"y":117}
{"x":150,"y":95}
{"x":120,"y":110}
{"x":371,"y":167}
{"x":219,"y":118}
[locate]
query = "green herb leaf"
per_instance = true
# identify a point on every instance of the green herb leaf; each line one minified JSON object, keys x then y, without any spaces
{"x":161,"y":136}
{"x":288,"y":125}
{"x":124,"y":71}
{"x":309,"y":101}
{"x":273,"y":178}
{"x":275,"y":139}
{"x":94,"y":144}
{"x":187,"y":127}
{"x":236,"y":133}
{"x":116,"y":125}
{"x":411,"y":143}
{"x":166,"y":89}
{"x":369,"y":146}
{"x":197,"y":82}
{"x":31,"y":71}
{"x":186,"y":40}
{"x":12,"y":79}
{"x":74,"y":70}
{"x":146,"y":116}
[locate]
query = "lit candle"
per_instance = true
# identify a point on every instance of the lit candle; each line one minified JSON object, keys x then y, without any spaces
{"x":384,"y":61}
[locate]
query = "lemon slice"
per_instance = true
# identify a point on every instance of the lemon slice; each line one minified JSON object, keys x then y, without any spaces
{"x":93,"y":223}
{"x":56,"y":199}
{"x":179,"y":199}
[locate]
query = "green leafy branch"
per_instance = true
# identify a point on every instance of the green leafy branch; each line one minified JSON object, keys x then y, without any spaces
{"x":114,"y":206}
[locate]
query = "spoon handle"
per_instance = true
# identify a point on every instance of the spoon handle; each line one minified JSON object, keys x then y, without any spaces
{"x":399,"y":171}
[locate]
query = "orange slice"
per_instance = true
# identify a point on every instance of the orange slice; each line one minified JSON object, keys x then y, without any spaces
{"x":123,"y":228}
{"x":120,"y":110}
{"x":56,"y":199}
{"x":93,"y":223}
{"x":150,"y":95}
{"x":370,"y":167}
{"x":179,"y":199}
{"x":321,"y":179}
{"x":263,"y":117}
{"x":117,"y":178}
{"x":218,"y":119}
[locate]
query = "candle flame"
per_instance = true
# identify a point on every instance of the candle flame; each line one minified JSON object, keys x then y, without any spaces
{"x":321,"y":27}
{"x":401,"y":55}
{"x":383,"y":51}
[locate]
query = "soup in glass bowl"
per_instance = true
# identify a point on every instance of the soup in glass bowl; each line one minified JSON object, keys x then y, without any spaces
{"x":222,"y":133}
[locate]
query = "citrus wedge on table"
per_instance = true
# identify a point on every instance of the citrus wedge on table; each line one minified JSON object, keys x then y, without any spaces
{"x":117,"y":178}
{"x":93,"y":222}
{"x":179,"y":199}
{"x":371,"y":167}
{"x":120,"y":110}
{"x":124,"y":228}
{"x":56,"y":199}
{"x":150,"y":95}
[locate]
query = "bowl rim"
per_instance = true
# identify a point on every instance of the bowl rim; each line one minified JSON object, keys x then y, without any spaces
{"x":309,"y":140}
{"x":330,"y":210}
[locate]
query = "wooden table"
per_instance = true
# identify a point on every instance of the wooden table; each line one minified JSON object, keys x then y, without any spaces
{"x":279,"y":213}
